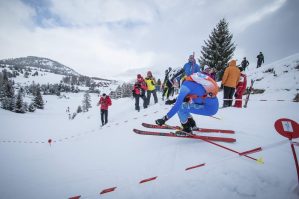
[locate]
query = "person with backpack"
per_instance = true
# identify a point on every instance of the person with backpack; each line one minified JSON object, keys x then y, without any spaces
{"x":151,"y":88}
{"x":197,"y":95}
{"x":138,"y":91}
{"x":260,"y":60}
{"x":244,"y":63}
{"x":105,"y":102}
{"x":241,"y":87}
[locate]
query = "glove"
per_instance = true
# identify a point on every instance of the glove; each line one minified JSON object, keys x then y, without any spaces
{"x":133,"y":93}
{"x":162,"y":121}
{"x":169,"y":102}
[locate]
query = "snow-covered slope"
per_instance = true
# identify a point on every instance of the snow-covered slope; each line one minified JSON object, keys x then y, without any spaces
{"x":278,"y":77}
{"x":40,"y":63}
{"x":85,"y":159}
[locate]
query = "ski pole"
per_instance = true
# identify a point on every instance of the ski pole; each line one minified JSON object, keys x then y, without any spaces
{"x":224,"y":147}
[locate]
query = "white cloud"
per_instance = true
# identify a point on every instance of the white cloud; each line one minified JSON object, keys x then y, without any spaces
{"x":103,"y":38}
{"x":94,"y":12}
{"x":253,"y":17}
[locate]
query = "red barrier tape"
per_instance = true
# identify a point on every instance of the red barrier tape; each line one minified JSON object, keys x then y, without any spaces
{"x":196,"y":166}
{"x":251,"y":151}
{"x":148,"y":179}
{"x":108,"y":190}
{"x":75,"y":197}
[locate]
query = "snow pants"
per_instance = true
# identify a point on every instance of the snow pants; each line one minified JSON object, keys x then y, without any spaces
{"x":148,"y":96}
{"x":137,"y":97}
{"x":238,"y":102}
{"x":207,"y":106}
{"x":228,"y":93}
{"x":104,"y":116}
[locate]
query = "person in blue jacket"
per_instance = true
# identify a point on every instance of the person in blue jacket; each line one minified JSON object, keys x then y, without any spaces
{"x":197,"y":95}
{"x":188,"y":69}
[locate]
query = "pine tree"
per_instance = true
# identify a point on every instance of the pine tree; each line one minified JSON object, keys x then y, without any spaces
{"x":38,"y":100}
{"x":32,"y":107}
{"x":7,"y":95}
{"x":79,"y":109}
{"x":86,"y":102}
{"x":20,"y":106}
{"x":219,"y":48}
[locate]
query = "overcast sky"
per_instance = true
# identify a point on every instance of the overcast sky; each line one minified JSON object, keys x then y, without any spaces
{"x":107,"y":37}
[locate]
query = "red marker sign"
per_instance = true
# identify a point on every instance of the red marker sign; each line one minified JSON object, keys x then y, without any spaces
{"x":287,"y":128}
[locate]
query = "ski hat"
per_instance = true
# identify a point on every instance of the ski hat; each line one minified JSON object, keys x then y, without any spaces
{"x":232,"y":63}
{"x":104,"y":94}
{"x":139,"y":76}
{"x":191,"y":58}
{"x":149,"y":73}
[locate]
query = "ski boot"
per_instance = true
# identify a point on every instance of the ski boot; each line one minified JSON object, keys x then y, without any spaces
{"x":185,"y":131}
{"x":192,"y":124}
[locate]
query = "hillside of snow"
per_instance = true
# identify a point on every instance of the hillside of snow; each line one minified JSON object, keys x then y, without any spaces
{"x":278,"y":77}
{"x":85,"y":158}
{"x":40,"y":63}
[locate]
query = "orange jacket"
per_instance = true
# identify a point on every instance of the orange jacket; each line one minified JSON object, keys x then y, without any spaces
{"x":231,"y":75}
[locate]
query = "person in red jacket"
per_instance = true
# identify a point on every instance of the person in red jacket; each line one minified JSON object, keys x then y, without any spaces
{"x":105,"y":102}
{"x":138,"y":91}
{"x":241,"y":87}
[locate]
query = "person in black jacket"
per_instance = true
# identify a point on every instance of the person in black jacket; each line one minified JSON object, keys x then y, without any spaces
{"x":244,"y":63}
{"x":168,"y":87}
{"x":260,"y":60}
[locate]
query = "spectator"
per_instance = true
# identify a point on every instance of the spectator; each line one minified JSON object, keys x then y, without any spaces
{"x":158,"y":85}
{"x":167,"y":85}
{"x":105,"y":102}
{"x":209,"y":71}
{"x":244,"y":63}
{"x":230,"y":80}
{"x":260,"y":60}
{"x":188,"y":69}
{"x":138,"y":91}
{"x":241,"y":87}
{"x":151,"y":87}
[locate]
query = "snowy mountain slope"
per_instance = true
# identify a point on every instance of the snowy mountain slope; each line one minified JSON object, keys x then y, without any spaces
{"x":85,"y":158}
{"x":40,"y":63}
{"x":25,"y":71}
{"x":282,"y":75}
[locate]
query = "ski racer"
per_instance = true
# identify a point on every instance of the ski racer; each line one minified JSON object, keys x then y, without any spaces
{"x":197,"y":95}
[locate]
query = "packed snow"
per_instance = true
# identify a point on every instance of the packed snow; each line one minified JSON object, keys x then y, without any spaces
{"x":85,"y":158}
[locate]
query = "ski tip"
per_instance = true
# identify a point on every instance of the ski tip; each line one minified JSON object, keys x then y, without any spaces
{"x":135,"y":130}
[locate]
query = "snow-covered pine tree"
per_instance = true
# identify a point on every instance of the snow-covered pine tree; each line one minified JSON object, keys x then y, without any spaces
{"x":86,"y":102}
{"x":20,"y":106}
{"x":126,"y":90}
{"x":31,"y":107}
{"x":7,"y":95}
{"x":38,"y":99}
{"x":218,"y":49}
{"x":79,"y":109}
